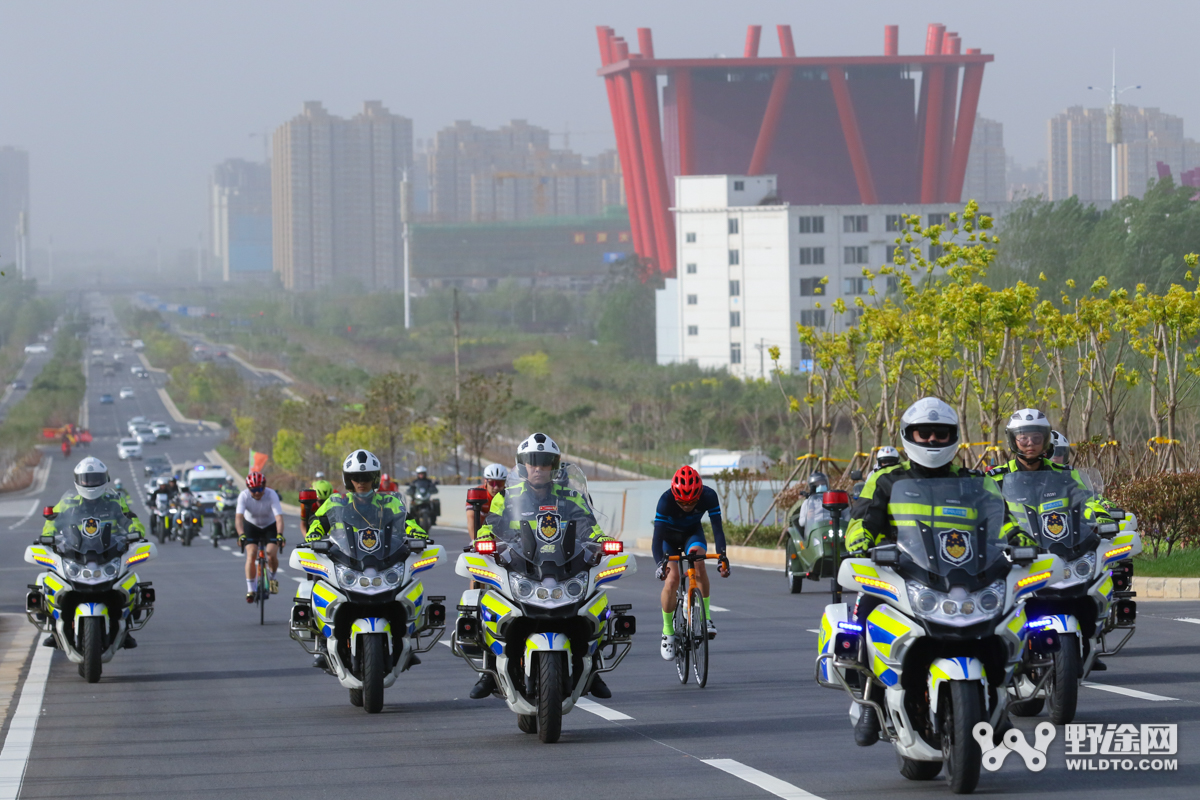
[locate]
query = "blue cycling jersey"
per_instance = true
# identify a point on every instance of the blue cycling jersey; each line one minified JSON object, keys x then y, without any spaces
{"x":672,"y":523}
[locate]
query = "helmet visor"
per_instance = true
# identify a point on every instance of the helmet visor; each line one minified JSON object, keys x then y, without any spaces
{"x":91,"y":480}
{"x":931,"y":434}
{"x":539,"y":459}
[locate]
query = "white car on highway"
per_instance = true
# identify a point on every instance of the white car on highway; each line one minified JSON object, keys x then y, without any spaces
{"x":126,"y":393}
{"x":161,"y":429}
{"x":144,"y":435}
{"x":128,"y":449}
{"x":134,"y":423}
{"x":35,"y":348}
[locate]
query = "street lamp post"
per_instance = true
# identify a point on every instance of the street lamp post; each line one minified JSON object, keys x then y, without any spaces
{"x":1114,"y":122}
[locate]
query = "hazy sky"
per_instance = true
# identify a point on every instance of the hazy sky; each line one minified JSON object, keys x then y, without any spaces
{"x":126,"y":106}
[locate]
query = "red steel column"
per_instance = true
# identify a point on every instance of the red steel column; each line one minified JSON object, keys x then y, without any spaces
{"x":858,"y":155}
{"x":638,"y":173}
{"x":934,"y":78}
{"x":972,"y":82}
{"x":891,"y":40}
{"x":645,"y":82}
{"x":951,"y":45}
{"x":753,"y":34}
{"x":683,"y":111}
{"x":621,"y":131}
{"x":779,"y":90}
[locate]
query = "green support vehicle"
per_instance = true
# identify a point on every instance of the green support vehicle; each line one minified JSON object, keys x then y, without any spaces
{"x":810,"y":553}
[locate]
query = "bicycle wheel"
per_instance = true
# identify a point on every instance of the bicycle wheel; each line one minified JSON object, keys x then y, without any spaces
{"x":264,"y":589}
{"x":682,"y":648}
{"x":698,"y":637}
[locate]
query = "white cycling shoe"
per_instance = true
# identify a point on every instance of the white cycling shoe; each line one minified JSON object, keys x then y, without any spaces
{"x":711,"y":627}
{"x":667,"y":648}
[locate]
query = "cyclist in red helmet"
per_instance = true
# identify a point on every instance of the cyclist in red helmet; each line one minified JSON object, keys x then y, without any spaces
{"x":259,"y":523}
{"x":677,"y":530}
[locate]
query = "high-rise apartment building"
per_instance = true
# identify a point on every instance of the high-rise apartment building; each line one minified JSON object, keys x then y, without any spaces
{"x":336,"y":187}
{"x":1080,"y":152}
{"x":240,"y":194}
{"x":14,"y":202}
{"x":512,"y":174}
{"x":986,"y":179}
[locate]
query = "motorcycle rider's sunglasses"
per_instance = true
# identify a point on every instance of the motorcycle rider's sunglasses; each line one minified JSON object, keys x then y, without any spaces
{"x":933,"y":433}
{"x":539,"y":459}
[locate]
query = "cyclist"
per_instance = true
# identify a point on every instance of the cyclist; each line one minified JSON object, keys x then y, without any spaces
{"x":677,"y":530}
{"x":538,"y":461}
{"x":494,"y":478}
{"x":324,"y":489}
{"x":929,"y":428}
{"x":93,"y":500}
{"x":387,"y":485}
{"x":259,"y":523}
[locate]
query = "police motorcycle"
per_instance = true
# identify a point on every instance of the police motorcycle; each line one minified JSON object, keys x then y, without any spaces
{"x":161,"y":515}
{"x":222,"y":517}
{"x":542,"y":624}
{"x":89,"y":598}
{"x":935,"y":655}
{"x":363,"y":613}
{"x":189,"y":520}
{"x":424,"y":507}
{"x":1078,"y":604}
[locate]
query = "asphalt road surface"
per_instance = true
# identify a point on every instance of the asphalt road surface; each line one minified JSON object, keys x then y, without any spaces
{"x":29,"y":370}
{"x":211,"y":704}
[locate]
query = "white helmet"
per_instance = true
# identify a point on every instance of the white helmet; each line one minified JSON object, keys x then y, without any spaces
{"x":495,"y":472}
{"x":540,"y":450}
{"x":886,"y":456}
{"x":361,"y":465}
{"x":930,"y":412}
{"x":1028,"y":420}
{"x":1061,"y":444}
{"x":420,"y":469}
{"x":91,"y":476}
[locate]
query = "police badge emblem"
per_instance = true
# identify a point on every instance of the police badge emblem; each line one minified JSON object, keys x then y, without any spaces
{"x":1054,"y":525}
{"x":91,"y":526}
{"x":956,"y":546}
{"x":547,"y":525}
{"x":368,"y":539}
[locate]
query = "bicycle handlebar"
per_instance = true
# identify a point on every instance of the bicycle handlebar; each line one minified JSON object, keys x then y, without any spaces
{"x":696,"y":557}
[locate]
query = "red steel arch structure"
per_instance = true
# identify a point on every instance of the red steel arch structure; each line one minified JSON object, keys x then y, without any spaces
{"x":836,"y":130}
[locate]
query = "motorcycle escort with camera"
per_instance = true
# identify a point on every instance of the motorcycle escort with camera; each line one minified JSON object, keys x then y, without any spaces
{"x":89,"y":598}
{"x":542,"y":624}
{"x":1078,"y":604}
{"x":948,"y":628}
{"x":188,"y":522}
{"x":363,"y":613}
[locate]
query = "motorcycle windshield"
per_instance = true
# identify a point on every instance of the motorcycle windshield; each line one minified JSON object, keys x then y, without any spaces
{"x":99,"y":542}
{"x":545,"y":543}
{"x":1049,"y":506}
{"x":948,"y":531}
{"x":370,"y":544}
{"x":567,"y":475}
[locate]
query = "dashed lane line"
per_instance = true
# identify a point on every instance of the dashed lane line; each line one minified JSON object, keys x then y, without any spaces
{"x":1136,"y":693}
{"x":1188,"y":619}
{"x":604,"y":712}
{"x":19,"y":742}
{"x":711,"y":607}
{"x":226,"y":548}
{"x":762,"y":780}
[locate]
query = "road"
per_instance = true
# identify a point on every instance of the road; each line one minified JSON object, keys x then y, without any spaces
{"x":211,"y":704}
{"x":29,"y":370}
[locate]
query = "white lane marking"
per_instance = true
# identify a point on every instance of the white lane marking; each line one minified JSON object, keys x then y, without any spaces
{"x":1140,"y":695}
{"x":1188,"y":619}
{"x":591,"y":706}
{"x":19,"y":742}
{"x":813,"y":630}
{"x":760,"y":779}
{"x":443,"y":641}
{"x":21,"y":521}
{"x":711,"y":607}
{"x":226,"y":548}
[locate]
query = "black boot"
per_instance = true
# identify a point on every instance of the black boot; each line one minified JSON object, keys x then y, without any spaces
{"x":1099,"y":666}
{"x":599,"y":688}
{"x":866,"y":730}
{"x":130,"y":643}
{"x":413,"y":660}
{"x":49,"y":641}
{"x":483,"y":687}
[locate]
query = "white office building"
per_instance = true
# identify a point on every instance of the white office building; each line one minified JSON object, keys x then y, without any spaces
{"x":751,"y":268}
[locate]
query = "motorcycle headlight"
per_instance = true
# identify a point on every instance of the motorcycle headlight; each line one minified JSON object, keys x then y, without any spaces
{"x":73,"y":569}
{"x":575,"y":588}
{"x":927,"y":602}
{"x":1082,"y":567}
{"x":346,"y":576}
{"x":989,"y":599}
{"x":392,"y":577}
{"x":521,"y":587}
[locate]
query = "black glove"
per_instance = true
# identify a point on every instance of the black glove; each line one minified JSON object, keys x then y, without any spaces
{"x":661,"y":572}
{"x":723,"y":565}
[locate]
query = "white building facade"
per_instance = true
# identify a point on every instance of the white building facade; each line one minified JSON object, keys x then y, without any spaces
{"x":750,"y":269}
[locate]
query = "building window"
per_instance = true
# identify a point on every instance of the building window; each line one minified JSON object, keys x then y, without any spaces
{"x":939,"y":219}
{"x":812,"y":224}
{"x":892,"y":283}
{"x":601,"y":238}
{"x":855,"y":314}
{"x":690,"y":238}
{"x":691,"y":269}
{"x":739,"y":186}
{"x":894,"y":222}
{"x":733,"y":226}
{"x":854,"y":224}
{"x":735,"y":319}
{"x":735,"y":353}
{"x":854,"y":286}
{"x":735,"y":288}
{"x":735,"y":258}
{"x":856,"y":255}
{"x":812,"y":287}
{"x":813,"y":318}
{"x":692,"y":300}
{"x":812,"y":255}
{"x":693,"y":330}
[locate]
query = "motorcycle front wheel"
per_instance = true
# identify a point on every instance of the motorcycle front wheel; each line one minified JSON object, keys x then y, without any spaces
{"x":549,"y":716}
{"x":375,"y":650}
{"x":91,"y":641}
{"x":962,"y":758}
{"x":1063,"y":692}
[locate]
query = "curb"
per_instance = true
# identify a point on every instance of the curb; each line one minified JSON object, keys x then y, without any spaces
{"x":757,"y":556}
{"x":1167,"y":588}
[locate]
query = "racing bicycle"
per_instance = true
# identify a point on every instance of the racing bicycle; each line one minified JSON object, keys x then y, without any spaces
{"x":691,"y":626}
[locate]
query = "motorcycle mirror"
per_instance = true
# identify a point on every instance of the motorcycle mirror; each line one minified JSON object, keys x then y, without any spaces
{"x":46,"y":538}
{"x":416,"y":545}
{"x":1024,"y":555}
{"x":323,"y":546}
{"x":856,"y":474}
{"x":886,"y":555}
{"x":48,"y":512}
{"x":1109,"y":527}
